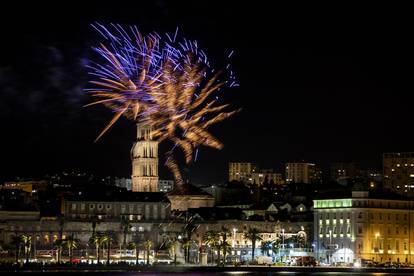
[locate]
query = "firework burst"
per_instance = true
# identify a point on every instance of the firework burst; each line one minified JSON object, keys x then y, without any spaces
{"x":165,"y":83}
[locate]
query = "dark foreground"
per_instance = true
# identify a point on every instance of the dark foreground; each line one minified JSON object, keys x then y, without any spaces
{"x":187,"y":270}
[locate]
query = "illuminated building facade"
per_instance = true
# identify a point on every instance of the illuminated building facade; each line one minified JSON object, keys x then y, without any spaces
{"x":302,"y":173}
{"x":269,"y":176}
{"x":241,"y":171}
{"x":348,"y":230}
{"x":144,"y":161}
{"x":399,"y":172}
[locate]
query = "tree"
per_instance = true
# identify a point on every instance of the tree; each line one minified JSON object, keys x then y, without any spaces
{"x":58,"y":246}
{"x":223,"y":245}
{"x":148,"y":245}
{"x":125,"y":227}
{"x":212,"y":238}
{"x":253,"y":236}
{"x":265,"y":247}
{"x":108,"y":239}
{"x":186,"y":246}
{"x":172,"y":246}
{"x":226,"y":248}
{"x":17,"y":242}
{"x":26,"y":242}
{"x":276,"y":245}
{"x":135,"y":246}
{"x":70,"y":244}
{"x":98,"y":239}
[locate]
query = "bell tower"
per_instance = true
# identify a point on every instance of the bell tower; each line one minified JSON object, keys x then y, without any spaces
{"x":144,"y":156}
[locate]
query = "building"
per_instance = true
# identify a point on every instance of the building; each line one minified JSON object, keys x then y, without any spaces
{"x":339,"y":171}
{"x":144,"y":161}
{"x":133,"y":206}
{"x":123,"y":183}
{"x":165,"y":185}
{"x":364,"y":226}
{"x":266,"y":177}
{"x":29,"y":186}
{"x":302,"y":173}
{"x":189,"y":197}
{"x":398,"y":172}
{"x":241,"y":171}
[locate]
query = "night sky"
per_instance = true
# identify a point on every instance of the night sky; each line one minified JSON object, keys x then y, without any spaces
{"x":321,"y":84}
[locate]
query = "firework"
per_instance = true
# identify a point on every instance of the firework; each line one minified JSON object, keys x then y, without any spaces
{"x":131,"y":69}
{"x":165,"y":83}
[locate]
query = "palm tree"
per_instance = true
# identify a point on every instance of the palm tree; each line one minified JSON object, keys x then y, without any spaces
{"x":135,"y":246}
{"x":26,"y":241}
{"x":107,"y":238}
{"x":265,"y":247}
{"x":98,"y":239}
{"x":71,"y":243}
{"x":253,"y":236}
{"x":17,"y":242}
{"x":186,"y":246}
{"x":212,"y":238}
{"x":148,"y":245}
{"x":224,"y":244}
{"x":125,"y":227}
{"x":226,"y":248}
{"x":172,"y":246}
{"x":276,"y":246}
{"x":58,"y":245}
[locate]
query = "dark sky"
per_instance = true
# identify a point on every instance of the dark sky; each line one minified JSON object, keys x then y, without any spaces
{"x":322,"y":84}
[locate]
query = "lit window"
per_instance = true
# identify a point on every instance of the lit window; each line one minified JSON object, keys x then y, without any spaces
{"x":398,"y":165}
{"x":99,"y":216}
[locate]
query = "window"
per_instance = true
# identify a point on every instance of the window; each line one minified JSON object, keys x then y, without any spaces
{"x":359,"y":229}
{"x":73,"y":206}
{"x":83,"y":206}
{"x":397,"y":217}
{"x":389,"y":216}
{"x":100,"y":206}
{"x":131,"y":217}
{"x":140,"y":229}
{"x":405,"y":245}
{"x":405,"y":216}
{"x":91,"y":206}
{"x":139,"y":217}
{"x":380,"y":216}
{"x":405,"y":230}
{"x":360,"y":215}
{"x":108,"y":206}
{"x":397,"y":230}
{"x":397,"y":245}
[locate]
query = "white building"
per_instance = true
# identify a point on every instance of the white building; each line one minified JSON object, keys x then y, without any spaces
{"x":375,"y":228}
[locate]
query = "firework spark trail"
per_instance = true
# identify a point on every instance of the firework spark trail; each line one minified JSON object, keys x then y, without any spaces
{"x":166,"y":83}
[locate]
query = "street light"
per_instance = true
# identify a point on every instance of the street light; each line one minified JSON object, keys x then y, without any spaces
{"x":283,"y":241}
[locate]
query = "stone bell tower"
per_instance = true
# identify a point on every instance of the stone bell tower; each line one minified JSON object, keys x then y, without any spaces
{"x":144,"y":156}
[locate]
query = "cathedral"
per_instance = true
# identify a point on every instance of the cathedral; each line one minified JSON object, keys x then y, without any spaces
{"x":144,"y":155}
